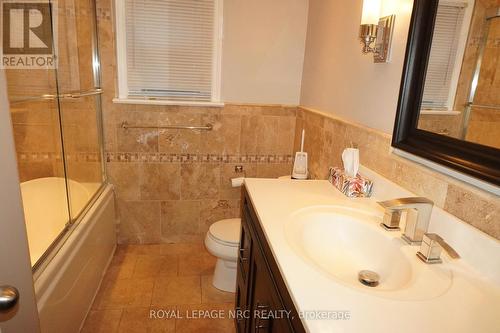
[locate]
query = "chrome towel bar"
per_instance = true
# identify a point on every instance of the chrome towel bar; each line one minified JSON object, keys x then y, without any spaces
{"x":76,"y":94}
{"x":207,"y":127}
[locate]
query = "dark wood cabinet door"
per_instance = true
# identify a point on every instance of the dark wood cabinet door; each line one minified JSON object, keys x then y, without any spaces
{"x":268,"y":313}
{"x":243,"y":283}
{"x":261,"y":294}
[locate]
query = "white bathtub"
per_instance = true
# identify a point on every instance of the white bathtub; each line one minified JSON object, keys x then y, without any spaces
{"x":66,"y":283}
{"x":46,"y":209}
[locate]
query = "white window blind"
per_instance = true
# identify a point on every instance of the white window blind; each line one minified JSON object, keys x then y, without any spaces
{"x":443,"y":57}
{"x":171,"y":49}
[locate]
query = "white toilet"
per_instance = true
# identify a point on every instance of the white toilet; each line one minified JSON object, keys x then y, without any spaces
{"x":222,"y":241}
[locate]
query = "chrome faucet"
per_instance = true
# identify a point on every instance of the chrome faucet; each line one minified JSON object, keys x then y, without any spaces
{"x":418,"y":214}
{"x":431,"y":247}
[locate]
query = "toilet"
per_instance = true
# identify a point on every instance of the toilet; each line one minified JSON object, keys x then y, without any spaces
{"x":222,"y":241}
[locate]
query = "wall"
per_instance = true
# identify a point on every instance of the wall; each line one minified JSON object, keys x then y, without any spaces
{"x":338,"y":77}
{"x":353,"y":100}
{"x":172,"y":184}
{"x":263,"y":50}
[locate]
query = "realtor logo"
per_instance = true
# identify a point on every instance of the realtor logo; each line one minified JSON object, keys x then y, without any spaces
{"x":28,"y":34}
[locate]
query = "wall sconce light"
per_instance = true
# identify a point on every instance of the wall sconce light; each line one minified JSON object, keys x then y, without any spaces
{"x":376,"y":29}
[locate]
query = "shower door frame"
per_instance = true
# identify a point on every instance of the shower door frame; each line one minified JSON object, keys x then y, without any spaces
{"x":73,"y":221}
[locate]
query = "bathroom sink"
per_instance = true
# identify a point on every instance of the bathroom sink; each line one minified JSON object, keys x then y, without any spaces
{"x":340,"y":242}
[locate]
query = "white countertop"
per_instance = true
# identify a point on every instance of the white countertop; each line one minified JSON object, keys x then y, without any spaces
{"x":470,"y":305}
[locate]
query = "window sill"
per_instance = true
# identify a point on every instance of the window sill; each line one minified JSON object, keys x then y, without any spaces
{"x":164,"y":102}
{"x":440,"y":112}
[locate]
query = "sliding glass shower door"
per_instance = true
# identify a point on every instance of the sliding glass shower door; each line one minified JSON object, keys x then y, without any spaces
{"x":56,"y":115}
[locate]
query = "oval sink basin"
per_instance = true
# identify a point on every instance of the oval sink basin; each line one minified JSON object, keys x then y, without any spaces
{"x":341,"y":242}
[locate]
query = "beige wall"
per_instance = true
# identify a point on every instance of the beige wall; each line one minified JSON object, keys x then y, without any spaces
{"x":338,"y":78}
{"x":263,"y":50}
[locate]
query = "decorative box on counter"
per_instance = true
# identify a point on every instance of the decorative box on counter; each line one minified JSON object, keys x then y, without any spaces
{"x":353,"y":187}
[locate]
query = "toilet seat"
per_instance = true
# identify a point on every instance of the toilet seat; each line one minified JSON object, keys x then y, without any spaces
{"x":226,"y":232}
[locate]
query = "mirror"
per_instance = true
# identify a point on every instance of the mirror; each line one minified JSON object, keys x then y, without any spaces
{"x":461,"y":96}
{"x":449,"y":102}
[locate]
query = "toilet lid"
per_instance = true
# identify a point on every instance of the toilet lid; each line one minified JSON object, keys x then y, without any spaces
{"x":226,"y":231}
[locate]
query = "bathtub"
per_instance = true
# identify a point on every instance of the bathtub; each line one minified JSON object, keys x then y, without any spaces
{"x":45,"y":206}
{"x":68,"y":279}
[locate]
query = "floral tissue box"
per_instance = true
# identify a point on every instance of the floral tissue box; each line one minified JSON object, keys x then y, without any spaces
{"x":353,"y":187}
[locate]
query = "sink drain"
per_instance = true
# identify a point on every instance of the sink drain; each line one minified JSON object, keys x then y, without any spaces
{"x":368,"y":278}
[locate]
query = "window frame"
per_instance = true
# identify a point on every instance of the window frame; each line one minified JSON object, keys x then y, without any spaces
{"x":463,"y":37}
{"x":121,"y":62}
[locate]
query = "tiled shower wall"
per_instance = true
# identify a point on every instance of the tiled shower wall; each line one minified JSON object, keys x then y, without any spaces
{"x":40,"y":126}
{"x":326,"y":137}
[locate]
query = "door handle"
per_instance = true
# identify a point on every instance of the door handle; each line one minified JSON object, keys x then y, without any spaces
{"x":8,"y":297}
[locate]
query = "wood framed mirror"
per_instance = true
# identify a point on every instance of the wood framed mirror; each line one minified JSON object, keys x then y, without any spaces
{"x":449,"y":102}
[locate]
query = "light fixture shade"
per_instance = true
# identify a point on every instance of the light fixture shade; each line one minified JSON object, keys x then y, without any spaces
{"x":371,"y":11}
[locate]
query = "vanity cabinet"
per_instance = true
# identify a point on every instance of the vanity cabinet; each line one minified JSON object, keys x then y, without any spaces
{"x":262,"y":299}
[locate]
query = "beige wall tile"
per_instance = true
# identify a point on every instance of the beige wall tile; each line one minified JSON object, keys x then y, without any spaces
{"x":33,"y":170}
{"x":480,"y":210}
{"x":273,"y":170}
{"x":228,"y":172}
{"x":267,"y":135}
{"x":180,"y":220}
{"x":160,"y":181}
{"x":125,"y":178}
{"x":139,"y":221}
{"x":137,"y":140}
{"x":200,"y":181}
{"x":224,"y":138}
{"x":214,"y":210}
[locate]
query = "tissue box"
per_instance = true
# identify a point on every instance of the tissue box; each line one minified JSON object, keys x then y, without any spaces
{"x":353,"y":187}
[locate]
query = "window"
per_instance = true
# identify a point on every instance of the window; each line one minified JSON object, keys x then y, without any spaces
{"x":448,"y":43}
{"x":169,"y":50}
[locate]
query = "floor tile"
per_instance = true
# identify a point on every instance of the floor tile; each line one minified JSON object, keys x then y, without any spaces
{"x":213,"y":318}
{"x":102,"y":321}
{"x":181,"y":248}
{"x":138,"y":249}
{"x":148,"y":266}
{"x":210,"y":294}
{"x":196,"y":264}
{"x":117,"y":294}
{"x":139,"y":320}
{"x":176,"y":290}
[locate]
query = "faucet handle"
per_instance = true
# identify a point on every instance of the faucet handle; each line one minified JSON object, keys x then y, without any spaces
{"x":391,"y":220}
{"x":430,"y":249}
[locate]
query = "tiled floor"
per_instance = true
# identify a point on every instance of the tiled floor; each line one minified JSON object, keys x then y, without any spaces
{"x":173,"y":281}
